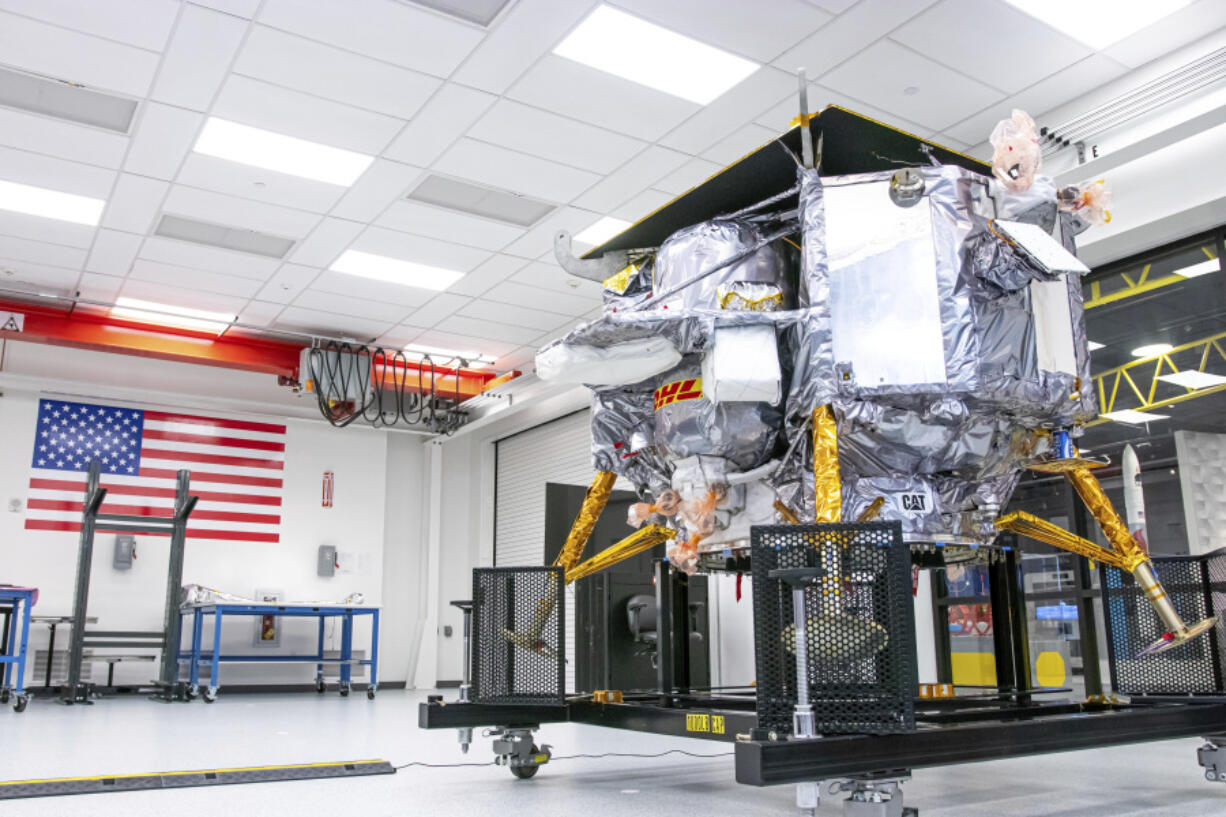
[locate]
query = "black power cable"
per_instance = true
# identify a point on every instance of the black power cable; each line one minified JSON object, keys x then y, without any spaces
{"x":570,"y":757}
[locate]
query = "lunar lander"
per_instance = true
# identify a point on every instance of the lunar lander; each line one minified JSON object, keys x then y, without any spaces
{"x":826,"y":364}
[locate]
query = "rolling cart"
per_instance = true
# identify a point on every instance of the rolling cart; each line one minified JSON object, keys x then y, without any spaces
{"x":16,"y":602}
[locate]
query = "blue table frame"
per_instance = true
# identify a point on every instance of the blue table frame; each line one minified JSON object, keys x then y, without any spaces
{"x":322,"y":612}
{"x":17,"y":602}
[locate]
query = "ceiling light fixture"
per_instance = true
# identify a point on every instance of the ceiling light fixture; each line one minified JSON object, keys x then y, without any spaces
{"x":1133,"y":417}
{"x":65,"y":100}
{"x":1152,"y":350}
{"x":472,"y":360}
{"x":39,"y":201}
{"x":394,"y":270}
{"x":1099,"y":23}
{"x":1193,"y":379}
{"x":601,"y":231}
{"x":660,"y":58}
{"x":284,"y":154}
{"x":1094,"y":345}
{"x":1196,"y":270}
{"x":167,"y":315}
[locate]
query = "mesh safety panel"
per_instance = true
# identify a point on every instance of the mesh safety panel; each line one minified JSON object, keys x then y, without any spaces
{"x":1196,"y":585}
{"x":517,"y":636}
{"x":859,"y":630}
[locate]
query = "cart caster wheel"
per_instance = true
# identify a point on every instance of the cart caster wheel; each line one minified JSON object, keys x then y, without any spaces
{"x":370,"y":694}
{"x":4,"y":696}
{"x":209,"y":695}
{"x":526,"y":772}
{"x":344,"y":690}
{"x":192,"y":692}
{"x":320,"y":686}
{"x":22,"y":701}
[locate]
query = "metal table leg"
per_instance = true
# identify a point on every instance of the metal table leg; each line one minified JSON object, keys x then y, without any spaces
{"x":50,"y":654}
{"x":193,"y":688}
{"x":346,"y":651}
{"x":319,"y":653}
{"x":374,"y":655}
{"x":210,"y":694}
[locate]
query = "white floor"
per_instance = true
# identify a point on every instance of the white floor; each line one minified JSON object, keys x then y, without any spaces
{"x":121,"y":736}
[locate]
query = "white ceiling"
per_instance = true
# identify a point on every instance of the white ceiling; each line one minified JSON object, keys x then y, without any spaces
{"x":427,"y":92}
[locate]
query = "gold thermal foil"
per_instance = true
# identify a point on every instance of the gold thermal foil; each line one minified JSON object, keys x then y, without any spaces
{"x":872,"y":511}
{"x":827,"y":486}
{"x":642,"y":539}
{"x":786,"y":513}
{"x":594,"y":500}
{"x":1113,"y":527}
{"x":1041,"y":530}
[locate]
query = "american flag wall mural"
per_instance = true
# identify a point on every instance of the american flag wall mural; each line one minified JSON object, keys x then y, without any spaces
{"x":236,"y":468}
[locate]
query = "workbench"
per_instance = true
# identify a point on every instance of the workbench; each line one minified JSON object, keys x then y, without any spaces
{"x":15,"y":602}
{"x":220,"y":610}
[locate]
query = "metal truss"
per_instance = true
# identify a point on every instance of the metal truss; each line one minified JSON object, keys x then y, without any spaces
{"x":1135,"y":385}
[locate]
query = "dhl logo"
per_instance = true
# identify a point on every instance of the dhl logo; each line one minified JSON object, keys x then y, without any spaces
{"x":677,"y":391}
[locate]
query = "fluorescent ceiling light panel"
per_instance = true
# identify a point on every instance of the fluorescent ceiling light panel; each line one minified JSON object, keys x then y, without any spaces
{"x":219,"y":235}
{"x":474,"y":360}
{"x":167,"y":315}
{"x":1099,"y":23}
{"x":39,"y":201}
{"x":1133,"y":417}
{"x":631,"y":48}
{"x":474,"y":199}
{"x":601,"y":231}
{"x":481,"y":12}
{"x":1094,"y":345}
{"x":1152,"y":350}
{"x":62,"y":100}
{"x":1203,"y":268}
{"x":284,"y":154}
{"x":1193,"y":379}
{"x":395,"y":270}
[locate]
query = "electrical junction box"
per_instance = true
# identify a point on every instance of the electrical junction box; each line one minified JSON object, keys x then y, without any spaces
{"x":327,"y":561}
{"x":125,"y":552}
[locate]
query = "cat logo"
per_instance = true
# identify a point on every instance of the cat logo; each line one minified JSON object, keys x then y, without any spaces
{"x":914,"y":502}
{"x":677,"y":391}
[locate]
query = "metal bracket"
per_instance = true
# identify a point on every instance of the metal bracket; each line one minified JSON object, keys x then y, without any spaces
{"x":514,"y":749}
{"x":874,"y":797}
{"x":1212,"y":757}
{"x":591,"y":269}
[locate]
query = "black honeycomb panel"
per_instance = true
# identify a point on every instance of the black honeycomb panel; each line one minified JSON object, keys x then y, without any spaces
{"x":860,"y":630}
{"x":518,"y":646}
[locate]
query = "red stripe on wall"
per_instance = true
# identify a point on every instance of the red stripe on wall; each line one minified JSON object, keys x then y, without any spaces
{"x":192,"y":533}
{"x":205,"y":476}
{"x":140,"y":490}
{"x":212,"y":459}
{"x":211,"y":439}
{"x":217,"y":422}
{"x":161,"y":513}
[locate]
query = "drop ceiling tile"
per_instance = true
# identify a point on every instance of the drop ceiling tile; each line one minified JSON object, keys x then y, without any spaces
{"x":848,"y":34}
{"x":561,"y":331}
{"x":398,"y":33}
{"x":448,"y":225}
{"x":244,"y":181}
{"x":755,"y":30}
{"x":498,"y":312}
{"x":37,"y":277}
{"x":880,"y":73}
{"x":643,"y":170}
{"x":134,"y":203}
{"x":181,"y":295}
{"x":199,"y":57}
{"x":525,"y":33}
{"x":731,"y":111}
{"x":342,"y":76}
{"x":176,"y":276}
{"x":331,"y":324}
{"x":523,"y":358}
{"x":327,"y":241}
{"x":689,"y":175}
{"x":420,"y":249}
{"x":287,"y":282}
{"x":232,"y":211}
{"x":40,"y":252}
{"x":459,"y":342}
{"x":55,"y":174}
{"x":113,"y":252}
{"x":164,"y":135}
{"x":954,"y":32}
{"x":260,"y":313}
{"x":642,"y":205}
{"x":1170,"y":33}
{"x":539,"y":239}
{"x":547,"y":287}
{"x":51,"y":230}
{"x":440,"y":122}
{"x":99,"y":287}
{"x":494,"y":271}
{"x":372,"y":290}
{"x":142,"y":23}
{"x":739,"y":143}
{"x":550,"y":136}
{"x":820,"y":97}
{"x":583,"y":93}
{"x":43,"y":134}
{"x":346,"y":305}
{"x":513,"y":171}
{"x":212,"y":259}
{"x":833,"y":6}
{"x":57,"y":52}
{"x":471,"y":327}
{"x":302,"y":116}
{"x":379,"y":186}
{"x":437,"y":308}
{"x":1092,"y":72}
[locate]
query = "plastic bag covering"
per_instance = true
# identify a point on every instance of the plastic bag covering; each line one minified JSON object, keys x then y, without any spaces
{"x":1090,"y":200}
{"x":826,"y":485}
{"x":742,"y":365}
{"x":195,"y":595}
{"x":1016,"y":157}
{"x":616,"y":364}
{"x":692,"y":251}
